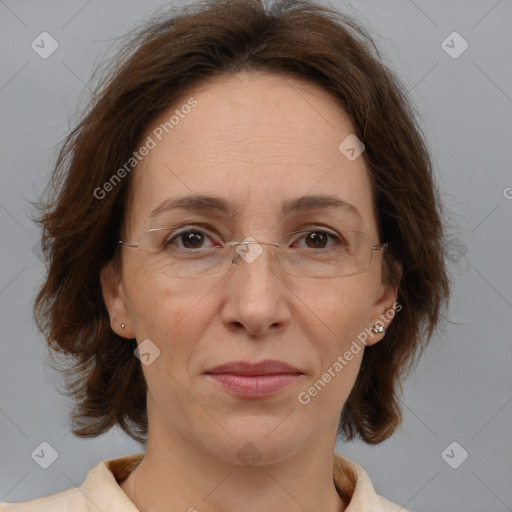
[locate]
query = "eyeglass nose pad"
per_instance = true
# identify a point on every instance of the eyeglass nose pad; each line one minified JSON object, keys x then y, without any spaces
{"x":249,"y":256}
{"x":237,"y":256}
{"x":245,"y":244}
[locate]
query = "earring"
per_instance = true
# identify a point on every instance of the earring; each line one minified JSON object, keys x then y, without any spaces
{"x":378,"y":328}
{"x":122,"y":326}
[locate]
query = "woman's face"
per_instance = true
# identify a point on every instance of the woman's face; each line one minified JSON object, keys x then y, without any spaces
{"x":255,"y":142}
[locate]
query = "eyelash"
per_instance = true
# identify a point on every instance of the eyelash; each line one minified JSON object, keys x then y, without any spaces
{"x":338,"y":239}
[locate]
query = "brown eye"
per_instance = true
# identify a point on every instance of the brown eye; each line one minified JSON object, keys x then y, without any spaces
{"x":316,"y":239}
{"x":319,"y":239}
{"x":192,"y":239}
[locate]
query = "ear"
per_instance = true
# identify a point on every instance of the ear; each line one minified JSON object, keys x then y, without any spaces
{"x":114,"y":297}
{"x":385,"y":308}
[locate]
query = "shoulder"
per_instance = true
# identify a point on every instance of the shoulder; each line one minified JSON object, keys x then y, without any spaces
{"x":355,"y":487}
{"x":99,"y":491}
{"x":65,"y":501}
{"x":389,"y":506}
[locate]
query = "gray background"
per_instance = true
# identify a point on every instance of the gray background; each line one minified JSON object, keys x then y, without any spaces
{"x":461,"y":390}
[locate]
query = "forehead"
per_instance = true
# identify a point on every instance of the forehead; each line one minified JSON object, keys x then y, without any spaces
{"x":255,"y":139}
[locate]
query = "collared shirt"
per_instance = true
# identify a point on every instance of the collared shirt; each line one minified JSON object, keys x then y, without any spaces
{"x":101,"y":491}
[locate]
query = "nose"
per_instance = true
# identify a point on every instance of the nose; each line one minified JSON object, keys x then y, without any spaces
{"x":257,"y":299}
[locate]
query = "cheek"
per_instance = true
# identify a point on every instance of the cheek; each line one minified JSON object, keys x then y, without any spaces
{"x":172,"y":313}
{"x":156,"y":303}
{"x":166,"y":314}
{"x":343,"y":310}
{"x":343,"y":306}
{"x":336,"y":313}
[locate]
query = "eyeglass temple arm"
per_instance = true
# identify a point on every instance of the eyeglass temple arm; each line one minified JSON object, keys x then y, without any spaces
{"x":128,"y":244}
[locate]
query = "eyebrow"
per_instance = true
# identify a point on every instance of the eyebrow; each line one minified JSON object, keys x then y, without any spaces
{"x":316,"y":202}
{"x":199,"y":202}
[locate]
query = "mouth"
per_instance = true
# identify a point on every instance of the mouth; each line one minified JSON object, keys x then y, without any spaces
{"x":263,"y":368}
{"x":254,"y":380}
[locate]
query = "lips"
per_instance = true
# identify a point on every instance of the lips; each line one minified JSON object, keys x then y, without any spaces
{"x":268,"y":367}
{"x":246,"y":380}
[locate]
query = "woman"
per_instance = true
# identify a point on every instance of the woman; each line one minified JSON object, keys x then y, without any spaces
{"x":245,"y":252}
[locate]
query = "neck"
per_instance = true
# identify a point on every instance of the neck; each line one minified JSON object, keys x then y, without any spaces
{"x":182,"y":476}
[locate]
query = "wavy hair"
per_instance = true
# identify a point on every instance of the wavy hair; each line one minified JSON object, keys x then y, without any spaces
{"x":156,"y":66}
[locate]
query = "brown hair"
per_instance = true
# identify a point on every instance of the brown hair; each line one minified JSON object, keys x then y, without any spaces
{"x":159,"y":64}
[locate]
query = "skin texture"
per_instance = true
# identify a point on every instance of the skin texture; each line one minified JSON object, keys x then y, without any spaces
{"x":254,"y":139}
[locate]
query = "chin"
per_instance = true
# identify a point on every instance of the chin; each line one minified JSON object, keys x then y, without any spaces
{"x":260,"y":442}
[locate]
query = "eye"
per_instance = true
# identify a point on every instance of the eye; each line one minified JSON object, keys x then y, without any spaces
{"x":190,"y":239}
{"x":319,"y":239}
